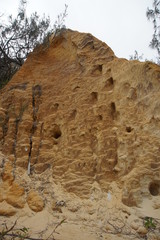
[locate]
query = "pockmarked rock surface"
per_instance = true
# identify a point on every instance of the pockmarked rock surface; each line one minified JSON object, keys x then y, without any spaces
{"x":80,"y":140}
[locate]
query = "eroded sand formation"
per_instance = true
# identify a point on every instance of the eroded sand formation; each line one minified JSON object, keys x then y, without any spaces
{"x":80,"y":141}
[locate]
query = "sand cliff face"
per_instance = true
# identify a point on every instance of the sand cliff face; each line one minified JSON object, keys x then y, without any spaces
{"x":78,"y":117}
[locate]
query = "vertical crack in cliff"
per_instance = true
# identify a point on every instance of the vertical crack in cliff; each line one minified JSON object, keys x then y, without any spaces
{"x":40,"y":143}
{"x":39,"y":147}
{"x":2,"y":164}
{"x":36,"y":93}
{"x":15,"y":144}
{"x":32,"y":131}
{"x":5,"y":127}
{"x":17,"y":121}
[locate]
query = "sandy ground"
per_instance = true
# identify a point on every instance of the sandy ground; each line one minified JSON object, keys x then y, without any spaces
{"x":103,"y":216}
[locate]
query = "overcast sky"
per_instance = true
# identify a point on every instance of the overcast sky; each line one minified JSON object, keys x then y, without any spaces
{"x":122,"y":24}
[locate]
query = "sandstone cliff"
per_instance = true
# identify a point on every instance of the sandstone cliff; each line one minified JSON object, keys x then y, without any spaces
{"x":80,"y":139}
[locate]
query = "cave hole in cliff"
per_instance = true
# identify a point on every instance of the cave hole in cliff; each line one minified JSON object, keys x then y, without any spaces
{"x":97,"y":69}
{"x":56,"y":132}
{"x":154,"y":188}
{"x":100,"y":67}
{"x":129,"y":129}
{"x":109,"y":83}
{"x":94,"y":96}
{"x":100,"y":117}
{"x":55,"y":106}
{"x":113,"y":110}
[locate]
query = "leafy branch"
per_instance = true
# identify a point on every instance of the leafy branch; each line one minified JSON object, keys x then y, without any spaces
{"x":154,"y":15}
{"x":13,"y":233}
{"x":20,"y":36}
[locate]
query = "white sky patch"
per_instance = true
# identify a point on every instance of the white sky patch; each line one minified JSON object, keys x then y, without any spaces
{"x":121,"y":24}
